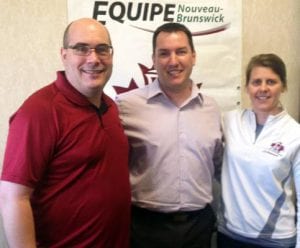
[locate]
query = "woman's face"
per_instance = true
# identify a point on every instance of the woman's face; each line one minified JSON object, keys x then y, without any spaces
{"x":264,"y":89}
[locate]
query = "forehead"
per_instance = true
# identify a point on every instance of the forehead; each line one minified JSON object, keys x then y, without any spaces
{"x":89,"y":33}
{"x":262,"y":71}
{"x":166,"y":40}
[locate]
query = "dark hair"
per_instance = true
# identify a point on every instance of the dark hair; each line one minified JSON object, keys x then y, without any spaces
{"x":173,"y":27}
{"x":270,"y":60}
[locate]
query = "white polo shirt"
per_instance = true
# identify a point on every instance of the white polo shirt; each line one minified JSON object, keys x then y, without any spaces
{"x":260,"y":177}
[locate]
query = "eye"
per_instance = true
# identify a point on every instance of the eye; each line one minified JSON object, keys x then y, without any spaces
{"x":81,"y":48}
{"x":163,"y":53}
{"x":102,"y":49}
{"x":181,"y":52}
{"x":256,"y":82}
{"x":271,"y":82}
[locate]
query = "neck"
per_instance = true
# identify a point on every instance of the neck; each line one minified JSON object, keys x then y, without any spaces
{"x":179,"y":96}
{"x":95,"y":99}
{"x":261,"y":117}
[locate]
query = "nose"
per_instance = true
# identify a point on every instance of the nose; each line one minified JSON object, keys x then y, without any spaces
{"x":93,"y":56}
{"x":173,"y":59}
{"x":263,"y":86}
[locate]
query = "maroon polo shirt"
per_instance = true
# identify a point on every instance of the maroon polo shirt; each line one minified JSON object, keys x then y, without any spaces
{"x":75,"y":157}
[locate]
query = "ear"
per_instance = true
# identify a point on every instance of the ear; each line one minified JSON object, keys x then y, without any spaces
{"x":246,"y":89}
{"x":153,"y":60}
{"x":63,"y":54}
{"x":194,"y":58}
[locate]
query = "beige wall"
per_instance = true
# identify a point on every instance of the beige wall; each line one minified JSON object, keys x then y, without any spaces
{"x":273,"y":26}
{"x":30,"y":40}
{"x":31,"y":32}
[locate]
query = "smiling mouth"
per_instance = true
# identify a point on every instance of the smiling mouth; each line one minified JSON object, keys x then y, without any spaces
{"x":92,"y":71}
{"x":262,"y":98}
{"x":174,"y":72}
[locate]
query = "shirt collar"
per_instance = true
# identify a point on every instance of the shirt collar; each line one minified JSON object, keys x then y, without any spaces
{"x":73,"y":95}
{"x":155,"y":90}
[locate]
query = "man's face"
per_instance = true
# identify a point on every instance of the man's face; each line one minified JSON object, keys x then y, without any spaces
{"x":173,"y":60}
{"x":87,"y":73}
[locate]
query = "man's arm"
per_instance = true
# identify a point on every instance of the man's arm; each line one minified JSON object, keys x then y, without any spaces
{"x":17,"y":215}
{"x":218,"y":159}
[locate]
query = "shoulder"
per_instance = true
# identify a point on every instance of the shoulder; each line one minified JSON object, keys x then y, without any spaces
{"x":38,"y":105}
{"x":292,"y":122}
{"x":210,"y":104}
{"x":233,"y":113}
{"x":208,"y":100}
{"x":234,"y":117}
{"x":132,"y":93}
{"x":290,"y":126}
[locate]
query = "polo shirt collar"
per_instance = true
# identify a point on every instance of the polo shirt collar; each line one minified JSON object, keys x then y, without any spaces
{"x":69,"y":91}
{"x":74,"y":95}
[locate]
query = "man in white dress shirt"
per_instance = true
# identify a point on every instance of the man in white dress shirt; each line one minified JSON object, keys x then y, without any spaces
{"x":176,"y":148}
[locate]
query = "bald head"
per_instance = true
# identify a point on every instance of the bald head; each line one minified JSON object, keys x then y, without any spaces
{"x":89,"y":72}
{"x":82,"y":24}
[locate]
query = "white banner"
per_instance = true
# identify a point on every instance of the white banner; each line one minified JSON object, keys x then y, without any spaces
{"x":216,"y":29}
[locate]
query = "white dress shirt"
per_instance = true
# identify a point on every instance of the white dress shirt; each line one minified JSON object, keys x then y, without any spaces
{"x":175,"y":151}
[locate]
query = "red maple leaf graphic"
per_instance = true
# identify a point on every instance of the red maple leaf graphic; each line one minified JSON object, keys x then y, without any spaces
{"x":120,"y":89}
{"x":149,"y":74}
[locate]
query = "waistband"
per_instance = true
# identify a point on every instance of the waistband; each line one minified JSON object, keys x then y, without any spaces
{"x":180,"y":216}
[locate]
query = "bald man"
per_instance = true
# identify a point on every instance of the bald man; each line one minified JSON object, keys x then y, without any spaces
{"x":65,"y":176}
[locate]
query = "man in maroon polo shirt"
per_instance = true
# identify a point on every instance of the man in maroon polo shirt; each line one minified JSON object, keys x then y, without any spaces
{"x":65,"y":176}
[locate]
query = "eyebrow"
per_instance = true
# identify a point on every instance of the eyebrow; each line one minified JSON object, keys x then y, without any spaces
{"x":81,"y":43}
{"x":86,"y":44}
{"x":167,"y":49}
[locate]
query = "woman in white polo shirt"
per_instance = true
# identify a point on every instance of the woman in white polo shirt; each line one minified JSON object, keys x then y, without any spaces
{"x":261,"y":168}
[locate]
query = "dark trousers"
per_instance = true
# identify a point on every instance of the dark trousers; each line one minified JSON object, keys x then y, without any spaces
{"x":151,"y":229}
{"x":224,"y":241}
